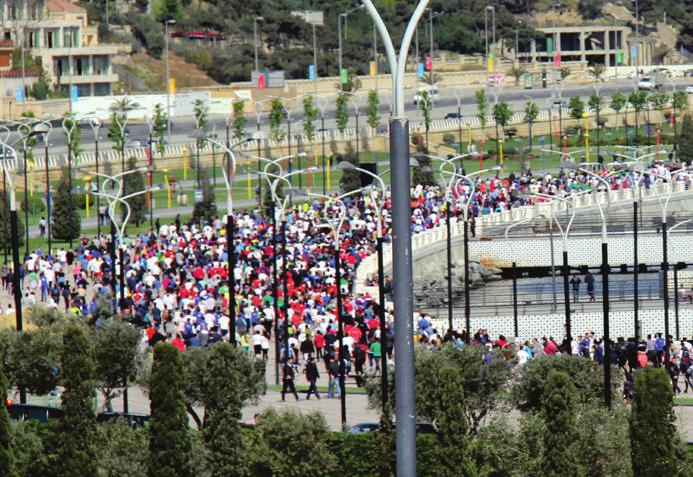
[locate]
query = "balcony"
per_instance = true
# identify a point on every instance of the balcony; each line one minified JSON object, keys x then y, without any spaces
{"x":81,"y":51}
{"x":87,"y":79}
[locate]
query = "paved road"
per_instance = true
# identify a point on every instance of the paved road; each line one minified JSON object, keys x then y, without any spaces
{"x":182,"y":127}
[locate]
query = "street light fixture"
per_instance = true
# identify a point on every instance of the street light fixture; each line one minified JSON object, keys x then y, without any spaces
{"x":168,"y":79}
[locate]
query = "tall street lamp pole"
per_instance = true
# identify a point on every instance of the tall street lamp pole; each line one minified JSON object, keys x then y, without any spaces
{"x":168,"y":79}
{"x":343,"y":18}
{"x":516,"y":324}
{"x":405,"y":409}
{"x":95,"y":124}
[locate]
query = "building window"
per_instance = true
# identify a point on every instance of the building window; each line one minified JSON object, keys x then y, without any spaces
{"x":101,"y":65}
{"x":52,"y":39}
{"x":102,"y":89}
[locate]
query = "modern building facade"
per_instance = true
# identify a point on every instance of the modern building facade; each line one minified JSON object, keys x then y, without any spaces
{"x":57,"y":33}
{"x":609,"y":45}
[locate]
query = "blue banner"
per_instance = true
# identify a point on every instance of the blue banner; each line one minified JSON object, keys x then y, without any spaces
{"x":311,"y":72}
{"x":20,"y":94}
{"x":634,"y":52}
{"x":421,"y":70}
{"x":74,"y":93}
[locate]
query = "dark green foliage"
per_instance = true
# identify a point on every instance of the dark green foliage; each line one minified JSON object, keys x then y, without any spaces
{"x":67,"y":224}
{"x":481,"y":382}
{"x":31,"y":457}
{"x":482,"y":107}
{"x":33,"y":361}
{"x":223,"y":401}
{"x":685,"y":145}
{"x":116,"y":346}
{"x":160,"y":127}
{"x":121,"y":450}
{"x":310,"y":115}
{"x":587,"y":377}
{"x":78,"y":425}
{"x":561,"y":436}
{"x":576,"y":107}
{"x":451,"y":419}
{"x":205,"y":210}
{"x":373,"y":109}
{"x":342,"y":111}
{"x":239,"y":120}
{"x":132,"y":183}
{"x":653,"y":435}
{"x":6,"y":455}
{"x":148,"y":32}
{"x":169,"y":441}
{"x":502,"y":114}
{"x":42,"y":316}
{"x":5,"y":227}
{"x":604,"y":440}
{"x":276,"y":119}
{"x":292,"y":445}
{"x":637,"y":100}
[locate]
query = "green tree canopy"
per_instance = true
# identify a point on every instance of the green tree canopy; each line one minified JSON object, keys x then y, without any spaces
{"x":310,"y":115}
{"x":342,"y":112}
{"x":239,"y":121}
{"x":481,"y":107}
{"x":652,"y":432}
{"x":132,"y":183}
{"x":207,"y":208}
{"x":116,"y":346}
{"x":276,"y":119}
{"x":684,"y":147}
{"x":561,"y":436}
{"x":6,"y":455}
{"x":67,"y":224}
{"x":373,"y":109}
{"x":78,"y":425}
{"x":169,"y":439}
{"x":576,"y":107}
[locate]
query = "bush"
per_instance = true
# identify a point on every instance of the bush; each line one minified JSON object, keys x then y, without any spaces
{"x":586,"y":375}
{"x":449,"y":138}
{"x":36,"y":204}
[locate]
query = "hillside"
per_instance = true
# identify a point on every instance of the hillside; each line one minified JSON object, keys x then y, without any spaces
{"x":285,"y":41}
{"x":152,"y":73}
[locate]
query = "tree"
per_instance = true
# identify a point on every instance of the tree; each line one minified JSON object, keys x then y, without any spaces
{"x":373,"y":109}
{"x":342,"y":112}
{"x":351,"y":178}
{"x":604,"y":439}
{"x":201,"y":115}
{"x":33,"y":359}
{"x":684,"y":147}
{"x":67,"y":223}
{"x":576,"y":107}
{"x":517,"y":71}
{"x":78,"y":424}
{"x":482,"y":379}
{"x":637,"y":100}
{"x":528,"y":390}
{"x":223,"y":402}
{"x":169,"y":439}
{"x":658,"y":100}
{"x":276,"y":119}
{"x":207,"y":208}
{"x":169,"y":10}
{"x":132,"y":183}
{"x":653,"y":435}
{"x":310,"y":115}
{"x":531,"y":114}
{"x":122,"y":451}
{"x":426,"y":106}
{"x":292,"y":445}
{"x":116,"y":345}
{"x":160,"y":126}
{"x":452,"y":423}
{"x":239,"y":121}
{"x":5,"y":226}
{"x":596,"y":104}
{"x":481,"y":107}
{"x":502,"y":114}
{"x":561,"y":438}
{"x":119,"y":116}
{"x":6,"y":455}
{"x":618,"y":102}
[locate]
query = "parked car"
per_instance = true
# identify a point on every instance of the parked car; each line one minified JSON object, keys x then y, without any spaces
{"x":559,"y":103}
{"x":689,"y":89}
{"x":133,"y":420}
{"x":32,"y":412}
{"x":431,"y":90}
{"x":140,"y":142}
{"x":454,"y":116}
{"x":364,"y":427}
{"x":652,"y":82}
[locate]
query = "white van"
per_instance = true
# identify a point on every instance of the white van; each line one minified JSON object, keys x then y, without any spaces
{"x":432,"y":93}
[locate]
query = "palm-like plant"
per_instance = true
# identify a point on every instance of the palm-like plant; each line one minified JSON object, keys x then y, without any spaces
{"x":517,"y":71}
{"x":597,"y":71}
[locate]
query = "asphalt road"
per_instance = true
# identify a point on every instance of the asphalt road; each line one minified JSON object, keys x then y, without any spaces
{"x":182,"y":127}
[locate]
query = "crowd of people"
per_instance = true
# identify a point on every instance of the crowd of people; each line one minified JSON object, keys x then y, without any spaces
{"x":177,"y":285}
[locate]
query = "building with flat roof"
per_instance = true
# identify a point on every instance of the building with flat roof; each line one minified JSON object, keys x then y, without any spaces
{"x":57,"y":33}
{"x":609,"y":45}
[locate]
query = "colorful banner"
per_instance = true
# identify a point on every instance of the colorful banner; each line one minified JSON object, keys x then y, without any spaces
{"x":373,"y":69}
{"x":344,"y":76}
{"x":172,"y":86}
{"x":311,"y":72}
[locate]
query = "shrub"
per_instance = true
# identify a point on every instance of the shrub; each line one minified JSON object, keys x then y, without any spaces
{"x":449,"y":138}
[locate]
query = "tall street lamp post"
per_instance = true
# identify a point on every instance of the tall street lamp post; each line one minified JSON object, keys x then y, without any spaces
{"x":168,"y":79}
{"x":516,"y":324}
{"x":405,"y":409}
{"x":343,"y":18}
{"x":95,"y":124}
